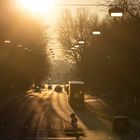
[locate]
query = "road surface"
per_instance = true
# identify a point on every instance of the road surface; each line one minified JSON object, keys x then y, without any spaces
{"x":46,"y":116}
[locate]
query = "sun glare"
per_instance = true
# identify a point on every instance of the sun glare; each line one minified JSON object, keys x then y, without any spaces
{"x":38,"y":6}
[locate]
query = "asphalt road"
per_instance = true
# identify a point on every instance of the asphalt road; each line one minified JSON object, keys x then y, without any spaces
{"x":46,"y":116}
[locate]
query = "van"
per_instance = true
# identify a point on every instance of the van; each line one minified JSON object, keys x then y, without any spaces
{"x":121,"y":124}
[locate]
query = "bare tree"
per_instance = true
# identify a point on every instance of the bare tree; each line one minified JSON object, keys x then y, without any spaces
{"x":131,"y":7}
{"x":76,"y":27}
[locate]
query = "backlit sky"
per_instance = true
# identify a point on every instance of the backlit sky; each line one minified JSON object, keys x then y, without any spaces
{"x":52,"y":14}
{"x":55,"y":15}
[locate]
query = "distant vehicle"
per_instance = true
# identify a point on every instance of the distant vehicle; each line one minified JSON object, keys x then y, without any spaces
{"x":121,"y":124}
{"x":67,"y":88}
{"x":43,"y":85}
{"x":58,"y":89}
{"x":37,"y":89}
{"x":49,"y":87}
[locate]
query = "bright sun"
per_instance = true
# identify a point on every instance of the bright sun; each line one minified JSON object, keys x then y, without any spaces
{"x":38,"y":6}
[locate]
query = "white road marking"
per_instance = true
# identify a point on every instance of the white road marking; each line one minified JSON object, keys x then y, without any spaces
{"x":56,"y":138}
{"x":64,"y":126}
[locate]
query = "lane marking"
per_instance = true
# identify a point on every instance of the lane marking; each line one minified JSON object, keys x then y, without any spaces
{"x":55,"y":138}
{"x":64,"y":126}
{"x":90,"y":100}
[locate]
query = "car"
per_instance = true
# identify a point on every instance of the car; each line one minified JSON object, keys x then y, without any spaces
{"x":58,"y":89}
{"x":42,"y":85}
{"x":37,"y":89}
{"x":66,"y":89}
{"x":121,"y":124}
{"x":49,"y":87}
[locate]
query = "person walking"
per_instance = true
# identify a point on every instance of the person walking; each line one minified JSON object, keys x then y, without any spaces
{"x":74,"y":125}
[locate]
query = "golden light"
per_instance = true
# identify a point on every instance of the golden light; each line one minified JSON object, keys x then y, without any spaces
{"x":96,"y":32}
{"x":116,"y":14}
{"x":76,"y":46}
{"x":7,"y":41}
{"x":81,"y":42}
{"x":38,"y":6}
{"x":116,"y":11}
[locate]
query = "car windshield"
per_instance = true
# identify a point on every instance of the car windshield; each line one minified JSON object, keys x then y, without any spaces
{"x":122,"y":121}
{"x":67,"y":67}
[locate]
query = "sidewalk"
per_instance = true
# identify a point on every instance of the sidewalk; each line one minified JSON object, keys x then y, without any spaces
{"x":136,"y":126}
{"x":103,"y":109}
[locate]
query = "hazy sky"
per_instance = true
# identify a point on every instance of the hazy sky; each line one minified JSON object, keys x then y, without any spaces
{"x":80,"y":1}
{"x":56,"y":13}
{"x":51,"y":14}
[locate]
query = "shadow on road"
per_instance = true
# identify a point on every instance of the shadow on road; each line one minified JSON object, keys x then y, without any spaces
{"x":90,"y":119}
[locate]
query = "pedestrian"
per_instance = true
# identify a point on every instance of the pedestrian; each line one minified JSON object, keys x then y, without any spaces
{"x":74,"y":124}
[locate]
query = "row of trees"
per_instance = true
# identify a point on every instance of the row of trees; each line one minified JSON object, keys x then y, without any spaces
{"x":73,"y":28}
{"x":110,"y":61}
{"x":23,"y":60}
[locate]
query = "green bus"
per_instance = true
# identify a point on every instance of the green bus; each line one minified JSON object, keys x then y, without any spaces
{"x":76,"y":93}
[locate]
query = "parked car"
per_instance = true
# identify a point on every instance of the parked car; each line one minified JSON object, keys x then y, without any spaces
{"x":121,"y":124}
{"x":58,"y":89}
{"x":49,"y":87}
{"x":42,"y":85}
{"x":37,"y":89}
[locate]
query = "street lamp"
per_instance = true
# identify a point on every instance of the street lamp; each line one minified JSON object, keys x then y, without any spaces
{"x":97,"y":32}
{"x":116,"y":12}
{"x":76,"y":46}
{"x":7,"y":41}
{"x":26,"y":48}
{"x":73,"y":48}
{"x":81,"y":42}
{"x":19,"y":45}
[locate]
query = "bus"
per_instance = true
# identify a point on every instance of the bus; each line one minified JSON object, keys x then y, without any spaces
{"x":76,"y":93}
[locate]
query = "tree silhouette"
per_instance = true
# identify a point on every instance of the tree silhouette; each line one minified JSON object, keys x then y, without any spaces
{"x":23,"y":60}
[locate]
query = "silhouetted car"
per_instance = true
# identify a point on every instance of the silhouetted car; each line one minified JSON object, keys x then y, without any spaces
{"x":49,"y":87}
{"x":121,"y":124}
{"x":67,"y":89}
{"x":58,"y":89}
{"x":37,"y":89}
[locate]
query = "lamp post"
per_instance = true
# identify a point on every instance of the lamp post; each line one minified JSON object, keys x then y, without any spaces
{"x":96,"y":32}
{"x":19,"y":45}
{"x":76,"y":46}
{"x":77,"y":51}
{"x":80,"y":49}
{"x":116,"y":11}
{"x":7,"y":41}
{"x":81,"y":42}
{"x":26,"y":48}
